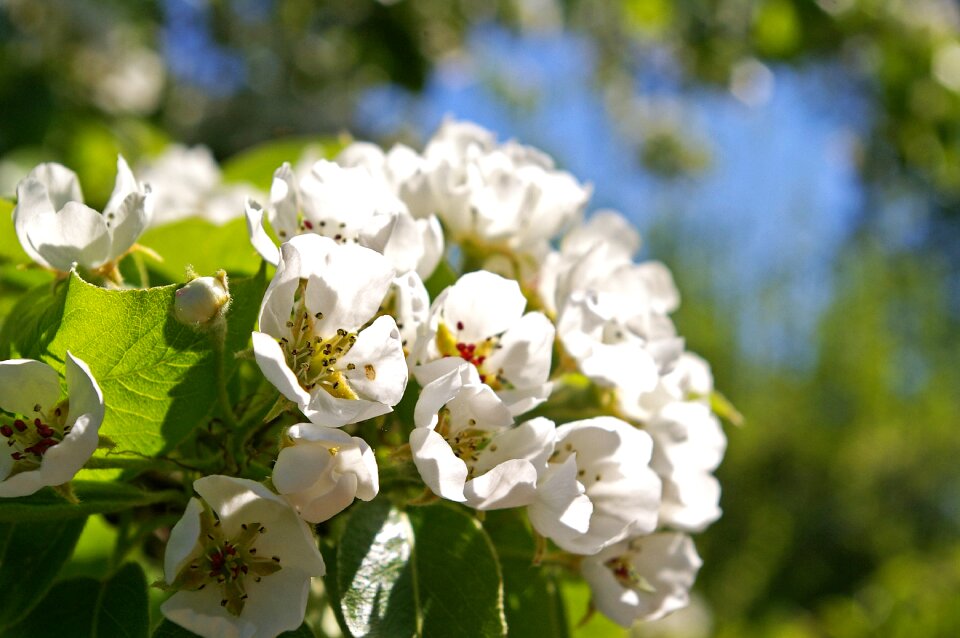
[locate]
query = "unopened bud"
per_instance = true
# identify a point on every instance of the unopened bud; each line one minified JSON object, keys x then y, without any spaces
{"x":203,"y":300}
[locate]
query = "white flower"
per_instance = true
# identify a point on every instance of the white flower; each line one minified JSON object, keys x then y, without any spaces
{"x":689,"y":380}
{"x":643,"y":578}
{"x":187,"y":182}
{"x":403,"y":169}
{"x":480,"y":320}
{"x":241,"y":561}
{"x":323,"y":469}
{"x":466,"y":449}
{"x":48,"y":440}
{"x":688,"y":444}
{"x":56,"y":230}
{"x":612,"y":314}
{"x":315,"y":345}
{"x":505,"y":195}
{"x":409,"y":303}
{"x":350,"y":206}
{"x":611,"y":459}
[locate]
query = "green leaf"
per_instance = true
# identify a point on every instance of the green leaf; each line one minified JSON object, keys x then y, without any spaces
{"x":257,"y":164}
{"x":158,"y":376}
{"x":95,"y":498}
{"x":88,"y":608}
{"x":532,"y":597}
{"x":576,"y":597}
{"x":31,"y":555}
{"x":431,"y":571}
{"x":459,"y":584}
{"x":35,"y":318}
{"x":200,"y":244}
{"x":169,"y":629}
{"x":374,"y":572}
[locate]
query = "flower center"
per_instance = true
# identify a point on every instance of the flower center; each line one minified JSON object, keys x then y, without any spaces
{"x":313,"y":358}
{"x":466,"y":442}
{"x":627,"y":575}
{"x":227,"y":563}
{"x":29,"y":439}
{"x":451,"y":345}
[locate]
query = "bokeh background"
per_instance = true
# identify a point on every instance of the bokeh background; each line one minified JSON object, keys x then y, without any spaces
{"x":795,"y":162}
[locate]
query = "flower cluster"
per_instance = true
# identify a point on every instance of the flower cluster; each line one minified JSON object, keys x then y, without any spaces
{"x":542,"y":372}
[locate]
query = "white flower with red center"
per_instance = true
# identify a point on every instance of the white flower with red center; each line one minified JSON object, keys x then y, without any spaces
{"x":348,"y":205}
{"x":642,"y":578}
{"x":480,"y":320}
{"x":240,"y":561}
{"x":320,"y":471}
{"x":47,"y":439}
{"x":321,"y":342}
{"x":466,"y":448}
{"x":608,"y":460}
{"x":57,"y":230}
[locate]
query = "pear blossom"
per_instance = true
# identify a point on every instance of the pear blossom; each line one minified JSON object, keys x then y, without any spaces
{"x":48,"y":440}
{"x":320,"y":471}
{"x":403,"y":169}
{"x":466,"y":449}
{"x":611,"y":460}
{"x":690,"y":379}
{"x":321,"y":342}
{"x":347,"y":205}
{"x":187,"y":182}
{"x":688,"y":445}
{"x":240,"y":561}
{"x":612,"y":314}
{"x":499,"y":195}
{"x":57,"y":230}
{"x":642,"y":578}
{"x":480,"y":320}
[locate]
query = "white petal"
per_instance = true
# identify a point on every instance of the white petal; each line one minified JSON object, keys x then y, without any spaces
{"x":350,"y":288}
{"x":441,"y":470}
{"x":326,"y":409}
{"x":432,"y":238}
{"x":198,"y":612}
{"x":258,"y":235}
{"x":485,"y":304}
{"x":279,"y":297}
{"x":381,"y":369}
{"x":300,"y":467}
{"x":561,"y":511}
{"x":183,"y":540}
{"x":336,"y":500}
{"x":526,"y":351}
{"x":75,"y":234}
{"x":274,"y":367}
{"x":285,"y":203}
{"x":531,"y":441}
{"x":61,"y":184}
{"x":512,"y":483}
{"x":435,"y":394}
{"x":25,"y":383}
{"x":32,"y":201}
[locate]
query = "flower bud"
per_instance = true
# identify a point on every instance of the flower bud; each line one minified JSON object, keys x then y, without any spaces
{"x":202,"y":300}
